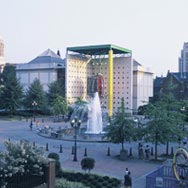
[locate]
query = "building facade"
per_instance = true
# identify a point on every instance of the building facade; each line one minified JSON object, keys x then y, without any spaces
{"x":183,"y":60}
{"x":2,"y":60}
{"x":131,"y":80}
{"x":175,"y":79}
{"x":79,"y":69}
{"x":47,"y":67}
{"x":142,"y":85}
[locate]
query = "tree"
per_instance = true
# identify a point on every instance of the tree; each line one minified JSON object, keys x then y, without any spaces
{"x":121,"y":128}
{"x":59,"y":106}
{"x":56,"y":97}
{"x":35,"y":98}
{"x":163,"y":123}
{"x":87,"y":163}
{"x":11,"y":90}
{"x":80,"y":101}
{"x":173,"y":109}
{"x":56,"y":89}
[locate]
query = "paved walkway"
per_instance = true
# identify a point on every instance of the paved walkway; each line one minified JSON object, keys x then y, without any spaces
{"x":105,"y":165}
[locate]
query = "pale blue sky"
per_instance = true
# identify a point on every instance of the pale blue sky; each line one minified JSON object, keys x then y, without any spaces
{"x":153,"y":29}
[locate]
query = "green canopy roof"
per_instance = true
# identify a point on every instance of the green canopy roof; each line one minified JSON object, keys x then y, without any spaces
{"x":99,"y":49}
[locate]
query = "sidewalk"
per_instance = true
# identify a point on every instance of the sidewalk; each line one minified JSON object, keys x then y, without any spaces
{"x":105,"y":165}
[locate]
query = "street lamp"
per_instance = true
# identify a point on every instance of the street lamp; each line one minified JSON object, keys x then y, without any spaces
{"x":75,"y":123}
{"x":34,"y":104}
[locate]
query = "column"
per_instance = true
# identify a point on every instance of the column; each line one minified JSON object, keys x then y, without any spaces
{"x":110,"y":83}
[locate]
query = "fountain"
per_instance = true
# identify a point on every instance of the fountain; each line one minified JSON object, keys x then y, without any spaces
{"x":90,"y":113}
{"x":94,"y":123}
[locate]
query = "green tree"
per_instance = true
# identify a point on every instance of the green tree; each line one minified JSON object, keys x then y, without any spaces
{"x":56,"y":89}
{"x":162,"y":125}
{"x":35,"y":98}
{"x":80,"y":101}
{"x":87,"y":163}
{"x":59,"y":106}
{"x":174,"y":114}
{"x":11,"y":90}
{"x":121,"y":128}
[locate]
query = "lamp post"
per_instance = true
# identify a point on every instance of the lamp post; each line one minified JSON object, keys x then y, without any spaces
{"x":34,"y":104}
{"x":75,"y":123}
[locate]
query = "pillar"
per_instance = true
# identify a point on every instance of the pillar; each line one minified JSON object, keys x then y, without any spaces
{"x":110,"y":83}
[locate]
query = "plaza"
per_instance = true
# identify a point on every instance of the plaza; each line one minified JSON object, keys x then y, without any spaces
{"x":17,"y":130}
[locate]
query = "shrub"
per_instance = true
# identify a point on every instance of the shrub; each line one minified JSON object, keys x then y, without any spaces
{"x":106,"y":178}
{"x":92,"y":180}
{"x":62,"y":183}
{"x":104,"y":183}
{"x":54,"y":156}
{"x":87,"y":163}
{"x":21,"y":158}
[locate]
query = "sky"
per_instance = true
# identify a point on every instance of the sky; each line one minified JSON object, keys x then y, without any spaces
{"x":154,"y":30}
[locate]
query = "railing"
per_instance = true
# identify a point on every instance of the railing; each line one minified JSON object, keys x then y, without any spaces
{"x":25,"y":181}
{"x":164,"y":178}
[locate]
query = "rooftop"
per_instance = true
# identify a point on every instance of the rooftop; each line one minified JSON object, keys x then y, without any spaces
{"x":48,"y":56}
{"x":99,"y":49}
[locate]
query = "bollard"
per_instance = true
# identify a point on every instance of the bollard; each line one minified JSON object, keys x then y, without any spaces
{"x":61,"y":149}
{"x":42,"y":120}
{"x":130,"y":152}
{"x":33,"y":144}
{"x":108,"y":152}
{"x":152,"y":151}
{"x":47,"y":147}
{"x":9,"y":139}
{"x":85,"y":152}
{"x":172,"y":151}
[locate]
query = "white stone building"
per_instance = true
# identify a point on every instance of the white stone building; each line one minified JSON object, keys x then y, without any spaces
{"x":142,"y":85}
{"x":47,"y":67}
